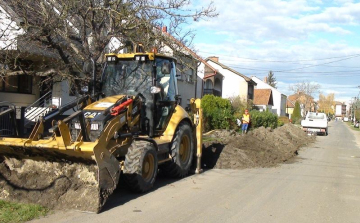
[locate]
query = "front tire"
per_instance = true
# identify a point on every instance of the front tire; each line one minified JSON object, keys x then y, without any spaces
{"x":182,"y":152}
{"x":141,"y":166}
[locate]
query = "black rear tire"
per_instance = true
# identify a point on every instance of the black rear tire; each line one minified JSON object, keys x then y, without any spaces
{"x":182,"y":152}
{"x":141,"y":166}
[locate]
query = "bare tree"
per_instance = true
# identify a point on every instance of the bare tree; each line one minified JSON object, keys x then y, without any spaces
{"x":306,"y":91}
{"x":68,"y":33}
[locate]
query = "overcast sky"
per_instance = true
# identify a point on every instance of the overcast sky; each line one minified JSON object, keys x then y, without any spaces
{"x":313,"y":41}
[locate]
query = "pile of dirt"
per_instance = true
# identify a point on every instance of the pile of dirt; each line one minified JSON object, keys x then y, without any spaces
{"x":51,"y":184}
{"x":262,"y":147}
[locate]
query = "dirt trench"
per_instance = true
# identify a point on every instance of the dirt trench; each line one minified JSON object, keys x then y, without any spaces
{"x":74,"y":186}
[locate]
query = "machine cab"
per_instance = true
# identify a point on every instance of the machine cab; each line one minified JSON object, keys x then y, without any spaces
{"x":152,"y":75}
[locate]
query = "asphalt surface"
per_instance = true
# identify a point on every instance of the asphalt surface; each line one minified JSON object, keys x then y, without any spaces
{"x":321,"y":185}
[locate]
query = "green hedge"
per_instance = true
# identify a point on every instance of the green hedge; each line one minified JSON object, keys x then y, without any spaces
{"x":217,"y":112}
{"x":266,"y":119}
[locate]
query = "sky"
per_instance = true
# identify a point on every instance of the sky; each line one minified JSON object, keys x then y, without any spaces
{"x":313,"y":41}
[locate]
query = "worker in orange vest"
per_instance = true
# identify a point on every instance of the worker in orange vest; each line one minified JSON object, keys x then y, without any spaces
{"x":245,"y":121}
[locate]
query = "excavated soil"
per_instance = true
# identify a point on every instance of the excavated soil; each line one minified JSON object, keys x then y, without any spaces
{"x":74,"y":186}
{"x":51,"y":184}
{"x":262,"y":147}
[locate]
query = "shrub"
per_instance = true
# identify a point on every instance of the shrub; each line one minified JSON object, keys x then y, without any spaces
{"x":283,"y":120}
{"x":239,"y":105}
{"x":217,"y":112}
{"x":280,"y":123}
{"x":266,"y":119}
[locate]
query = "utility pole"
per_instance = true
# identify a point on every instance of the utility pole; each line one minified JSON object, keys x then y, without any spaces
{"x":355,"y":106}
{"x":353,"y":109}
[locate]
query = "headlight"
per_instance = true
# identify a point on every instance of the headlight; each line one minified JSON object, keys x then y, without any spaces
{"x":111,"y":58}
{"x":77,"y":125}
{"x":93,"y":126}
{"x":140,"y":58}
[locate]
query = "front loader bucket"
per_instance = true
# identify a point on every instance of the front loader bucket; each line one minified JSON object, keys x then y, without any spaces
{"x":80,"y":176}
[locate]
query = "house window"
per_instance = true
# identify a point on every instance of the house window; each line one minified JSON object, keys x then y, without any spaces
{"x":17,"y":84}
{"x":190,"y":75}
{"x":251,"y":92}
{"x":180,"y":71}
{"x":208,"y":84}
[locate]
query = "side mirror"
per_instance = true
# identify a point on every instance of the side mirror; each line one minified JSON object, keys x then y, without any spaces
{"x":166,"y":67}
{"x":155,"y":90}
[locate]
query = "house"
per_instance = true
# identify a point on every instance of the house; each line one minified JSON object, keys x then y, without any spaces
{"x":191,"y":70}
{"x":290,"y":105}
{"x":306,"y":102}
{"x":213,"y":80}
{"x":340,"y":109}
{"x":263,"y":99}
{"x":234,"y":83}
{"x":279,"y":99}
{"x":21,"y":85}
{"x":196,"y":77}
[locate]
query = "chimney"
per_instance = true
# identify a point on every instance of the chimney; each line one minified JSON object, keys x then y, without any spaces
{"x":164,"y":29}
{"x":265,"y":79}
{"x":214,"y":58}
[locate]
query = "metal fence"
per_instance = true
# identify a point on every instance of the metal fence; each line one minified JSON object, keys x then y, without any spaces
{"x":6,"y":127}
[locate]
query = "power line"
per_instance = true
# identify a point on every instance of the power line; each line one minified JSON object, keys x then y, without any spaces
{"x":282,"y":61}
{"x":308,"y":66}
{"x":232,"y":64}
{"x":266,"y":70}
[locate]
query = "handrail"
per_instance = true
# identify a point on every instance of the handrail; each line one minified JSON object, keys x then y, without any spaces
{"x":38,"y":100}
{"x":38,"y":103}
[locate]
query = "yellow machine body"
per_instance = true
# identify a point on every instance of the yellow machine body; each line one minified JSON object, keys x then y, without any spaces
{"x":112,"y":143}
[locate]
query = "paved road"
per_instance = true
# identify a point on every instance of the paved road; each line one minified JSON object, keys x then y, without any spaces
{"x":322,"y":185}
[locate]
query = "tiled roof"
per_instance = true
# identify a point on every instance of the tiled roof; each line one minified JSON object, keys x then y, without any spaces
{"x":263,"y":97}
{"x":290,"y":103}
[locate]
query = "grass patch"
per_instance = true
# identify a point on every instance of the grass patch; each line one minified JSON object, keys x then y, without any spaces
{"x":18,"y":212}
{"x":209,"y":139}
{"x":352,"y":126}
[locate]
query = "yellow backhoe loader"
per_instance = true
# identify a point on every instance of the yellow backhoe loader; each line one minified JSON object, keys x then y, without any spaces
{"x":134,"y":128}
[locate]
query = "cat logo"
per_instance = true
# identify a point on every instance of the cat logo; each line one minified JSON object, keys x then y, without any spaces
{"x":91,"y":115}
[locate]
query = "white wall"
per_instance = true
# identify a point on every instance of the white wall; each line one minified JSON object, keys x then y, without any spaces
{"x":23,"y":100}
{"x":338,"y":109}
{"x":233,"y":84}
{"x":263,"y":108}
{"x":199,"y":80}
{"x":279,"y":99}
{"x":17,"y":99}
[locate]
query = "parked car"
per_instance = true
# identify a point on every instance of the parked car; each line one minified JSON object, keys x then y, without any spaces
{"x":315,"y":123}
{"x":346,"y":119}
